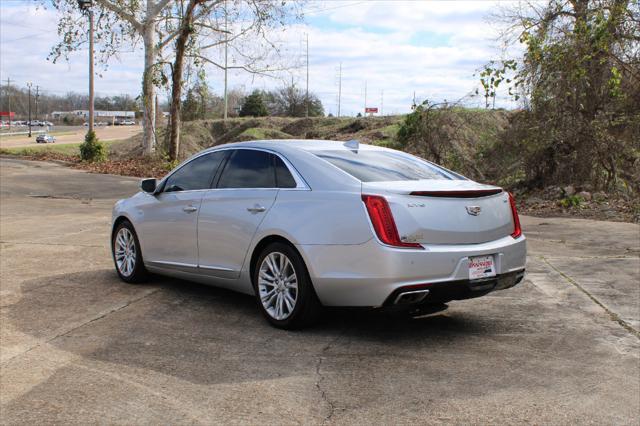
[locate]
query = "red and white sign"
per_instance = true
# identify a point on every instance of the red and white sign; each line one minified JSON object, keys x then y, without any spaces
{"x":370,"y":110}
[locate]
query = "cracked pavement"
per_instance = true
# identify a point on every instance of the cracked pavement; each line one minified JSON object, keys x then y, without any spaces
{"x":78,"y":346}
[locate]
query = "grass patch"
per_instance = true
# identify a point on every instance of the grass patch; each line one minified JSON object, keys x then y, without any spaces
{"x":254,"y":133}
{"x":65,"y":149}
{"x":34,"y":134}
{"x":390,"y":131}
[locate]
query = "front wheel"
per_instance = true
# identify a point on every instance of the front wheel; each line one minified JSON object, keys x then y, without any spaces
{"x":283,"y":288}
{"x":127,"y":255}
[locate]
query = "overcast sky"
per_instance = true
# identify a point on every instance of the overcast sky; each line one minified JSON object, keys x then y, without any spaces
{"x":430,"y":47}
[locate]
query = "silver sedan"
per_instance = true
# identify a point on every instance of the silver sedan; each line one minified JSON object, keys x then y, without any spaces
{"x":305,"y":224}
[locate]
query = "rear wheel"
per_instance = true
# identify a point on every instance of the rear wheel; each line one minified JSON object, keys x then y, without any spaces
{"x":283,"y":288}
{"x":127,"y":255}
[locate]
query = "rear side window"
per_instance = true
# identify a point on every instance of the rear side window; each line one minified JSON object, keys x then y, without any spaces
{"x":381,"y":166}
{"x":196,"y":174}
{"x":248,"y":168}
{"x":284,"y":179}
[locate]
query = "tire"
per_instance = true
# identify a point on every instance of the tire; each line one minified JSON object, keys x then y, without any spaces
{"x":284,"y":305}
{"x":131,"y":267}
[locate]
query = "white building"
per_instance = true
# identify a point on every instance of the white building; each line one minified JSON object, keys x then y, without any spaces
{"x":117,"y":115}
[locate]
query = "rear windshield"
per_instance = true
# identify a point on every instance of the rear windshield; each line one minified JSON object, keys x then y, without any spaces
{"x":381,"y":166}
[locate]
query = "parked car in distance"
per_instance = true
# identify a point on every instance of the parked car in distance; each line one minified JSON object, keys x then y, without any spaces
{"x":303,"y":224}
{"x":44,"y":138}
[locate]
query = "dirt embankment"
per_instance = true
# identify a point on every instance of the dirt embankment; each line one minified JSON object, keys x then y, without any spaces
{"x":197,"y":135}
{"x":473,"y":133}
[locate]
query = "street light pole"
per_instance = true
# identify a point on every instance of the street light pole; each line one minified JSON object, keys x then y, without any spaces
{"x":29,"y":84}
{"x":85,"y":6}
{"x":36,"y":99}
{"x":91,"y":110}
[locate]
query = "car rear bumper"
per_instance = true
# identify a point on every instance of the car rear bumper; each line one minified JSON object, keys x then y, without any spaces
{"x":372,"y":274}
{"x":442,"y":292}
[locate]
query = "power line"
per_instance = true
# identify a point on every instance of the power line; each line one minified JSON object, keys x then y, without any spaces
{"x":319,"y":11}
{"x":36,"y":35}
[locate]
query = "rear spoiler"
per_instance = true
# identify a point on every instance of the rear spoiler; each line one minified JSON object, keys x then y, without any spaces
{"x":475,"y":193}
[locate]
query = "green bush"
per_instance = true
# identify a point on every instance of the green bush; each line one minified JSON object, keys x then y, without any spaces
{"x":92,"y":149}
{"x":254,"y":106}
{"x":571,"y":201}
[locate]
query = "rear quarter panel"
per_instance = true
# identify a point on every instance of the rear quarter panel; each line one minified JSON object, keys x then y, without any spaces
{"x":317,"y":217}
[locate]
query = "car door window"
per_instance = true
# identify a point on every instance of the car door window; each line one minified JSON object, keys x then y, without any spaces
{"x":248,"y":168}
{"x":196,"y":174}
{"x":284,"y":179}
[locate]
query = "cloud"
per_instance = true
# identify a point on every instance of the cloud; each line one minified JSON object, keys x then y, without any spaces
{"x":27,"y":34}
{"x":430,"y":48}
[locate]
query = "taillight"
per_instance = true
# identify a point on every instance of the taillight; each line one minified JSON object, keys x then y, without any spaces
{"x":383,"y":223}
{"x":517,"y":230}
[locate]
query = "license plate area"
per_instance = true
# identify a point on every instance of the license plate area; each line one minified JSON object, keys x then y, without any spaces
{"x":481,"y":267}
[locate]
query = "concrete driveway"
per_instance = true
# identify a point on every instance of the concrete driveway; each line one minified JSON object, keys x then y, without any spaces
{"x":79,"y":346}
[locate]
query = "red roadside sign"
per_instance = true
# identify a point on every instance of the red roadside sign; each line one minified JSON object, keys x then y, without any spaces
{"x":370,"y":110}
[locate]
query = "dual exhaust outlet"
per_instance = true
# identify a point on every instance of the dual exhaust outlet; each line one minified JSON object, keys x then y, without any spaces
{"x":411,"y":297}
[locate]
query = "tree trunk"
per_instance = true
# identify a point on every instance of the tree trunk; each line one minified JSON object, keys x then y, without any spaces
{"x":149,"y":89}
{"x":186,"y":30}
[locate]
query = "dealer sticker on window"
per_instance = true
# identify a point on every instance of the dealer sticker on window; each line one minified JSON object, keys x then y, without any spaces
{"x":481,"y":267}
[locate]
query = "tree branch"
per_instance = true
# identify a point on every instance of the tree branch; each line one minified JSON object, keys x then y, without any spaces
{"x":264,"y":72}
{"x":122,"y":13}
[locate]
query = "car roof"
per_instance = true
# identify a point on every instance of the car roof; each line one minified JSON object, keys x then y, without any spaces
{"x":299,"y":144}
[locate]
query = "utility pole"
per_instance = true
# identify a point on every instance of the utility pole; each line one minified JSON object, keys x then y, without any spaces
{"x":37,"y":96}
{"x":365,"y":98}
{"x":29,"y":84}
{"x":9,"y":99}
{"x":382,"y":102}
{"x":91,"y":111}
{"x":339,"y":87}
{"x":307,"y":95}
{"x":85,"y":6}
{"x":226,"y":53}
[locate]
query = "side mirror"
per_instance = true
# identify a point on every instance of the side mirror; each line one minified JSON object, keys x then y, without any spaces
{"x":148,"y":185}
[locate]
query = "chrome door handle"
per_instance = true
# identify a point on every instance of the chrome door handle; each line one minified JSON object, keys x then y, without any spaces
{"x":256,"y":209}
{"x":189,"y":209}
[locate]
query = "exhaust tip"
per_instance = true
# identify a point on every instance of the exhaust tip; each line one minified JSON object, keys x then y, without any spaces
{"x":411,"y":297}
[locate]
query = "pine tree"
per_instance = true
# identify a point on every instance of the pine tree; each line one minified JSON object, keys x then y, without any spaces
{"x":254,"y":106}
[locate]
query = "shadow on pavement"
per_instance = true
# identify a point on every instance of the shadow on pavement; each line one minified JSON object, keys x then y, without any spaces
{"x":208,"y":335}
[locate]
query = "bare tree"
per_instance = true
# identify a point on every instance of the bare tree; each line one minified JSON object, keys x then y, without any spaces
{"x":204,"y":26}
{"x":186,"y":31}
{"x":120,"y":24}
{"x":580,"y":73}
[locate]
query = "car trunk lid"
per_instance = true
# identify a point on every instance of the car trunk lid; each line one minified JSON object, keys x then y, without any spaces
{"x":446,"y":211}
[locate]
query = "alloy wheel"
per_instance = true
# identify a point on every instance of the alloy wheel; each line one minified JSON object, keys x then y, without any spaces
{"x":125,"y":252}
{"x":278,"y":285}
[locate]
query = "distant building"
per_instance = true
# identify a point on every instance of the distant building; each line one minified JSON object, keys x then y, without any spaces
{"x":116,"y":115}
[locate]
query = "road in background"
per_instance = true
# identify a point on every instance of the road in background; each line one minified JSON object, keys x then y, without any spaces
{"x":71,"y":134}
{"x":80,"y":346}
